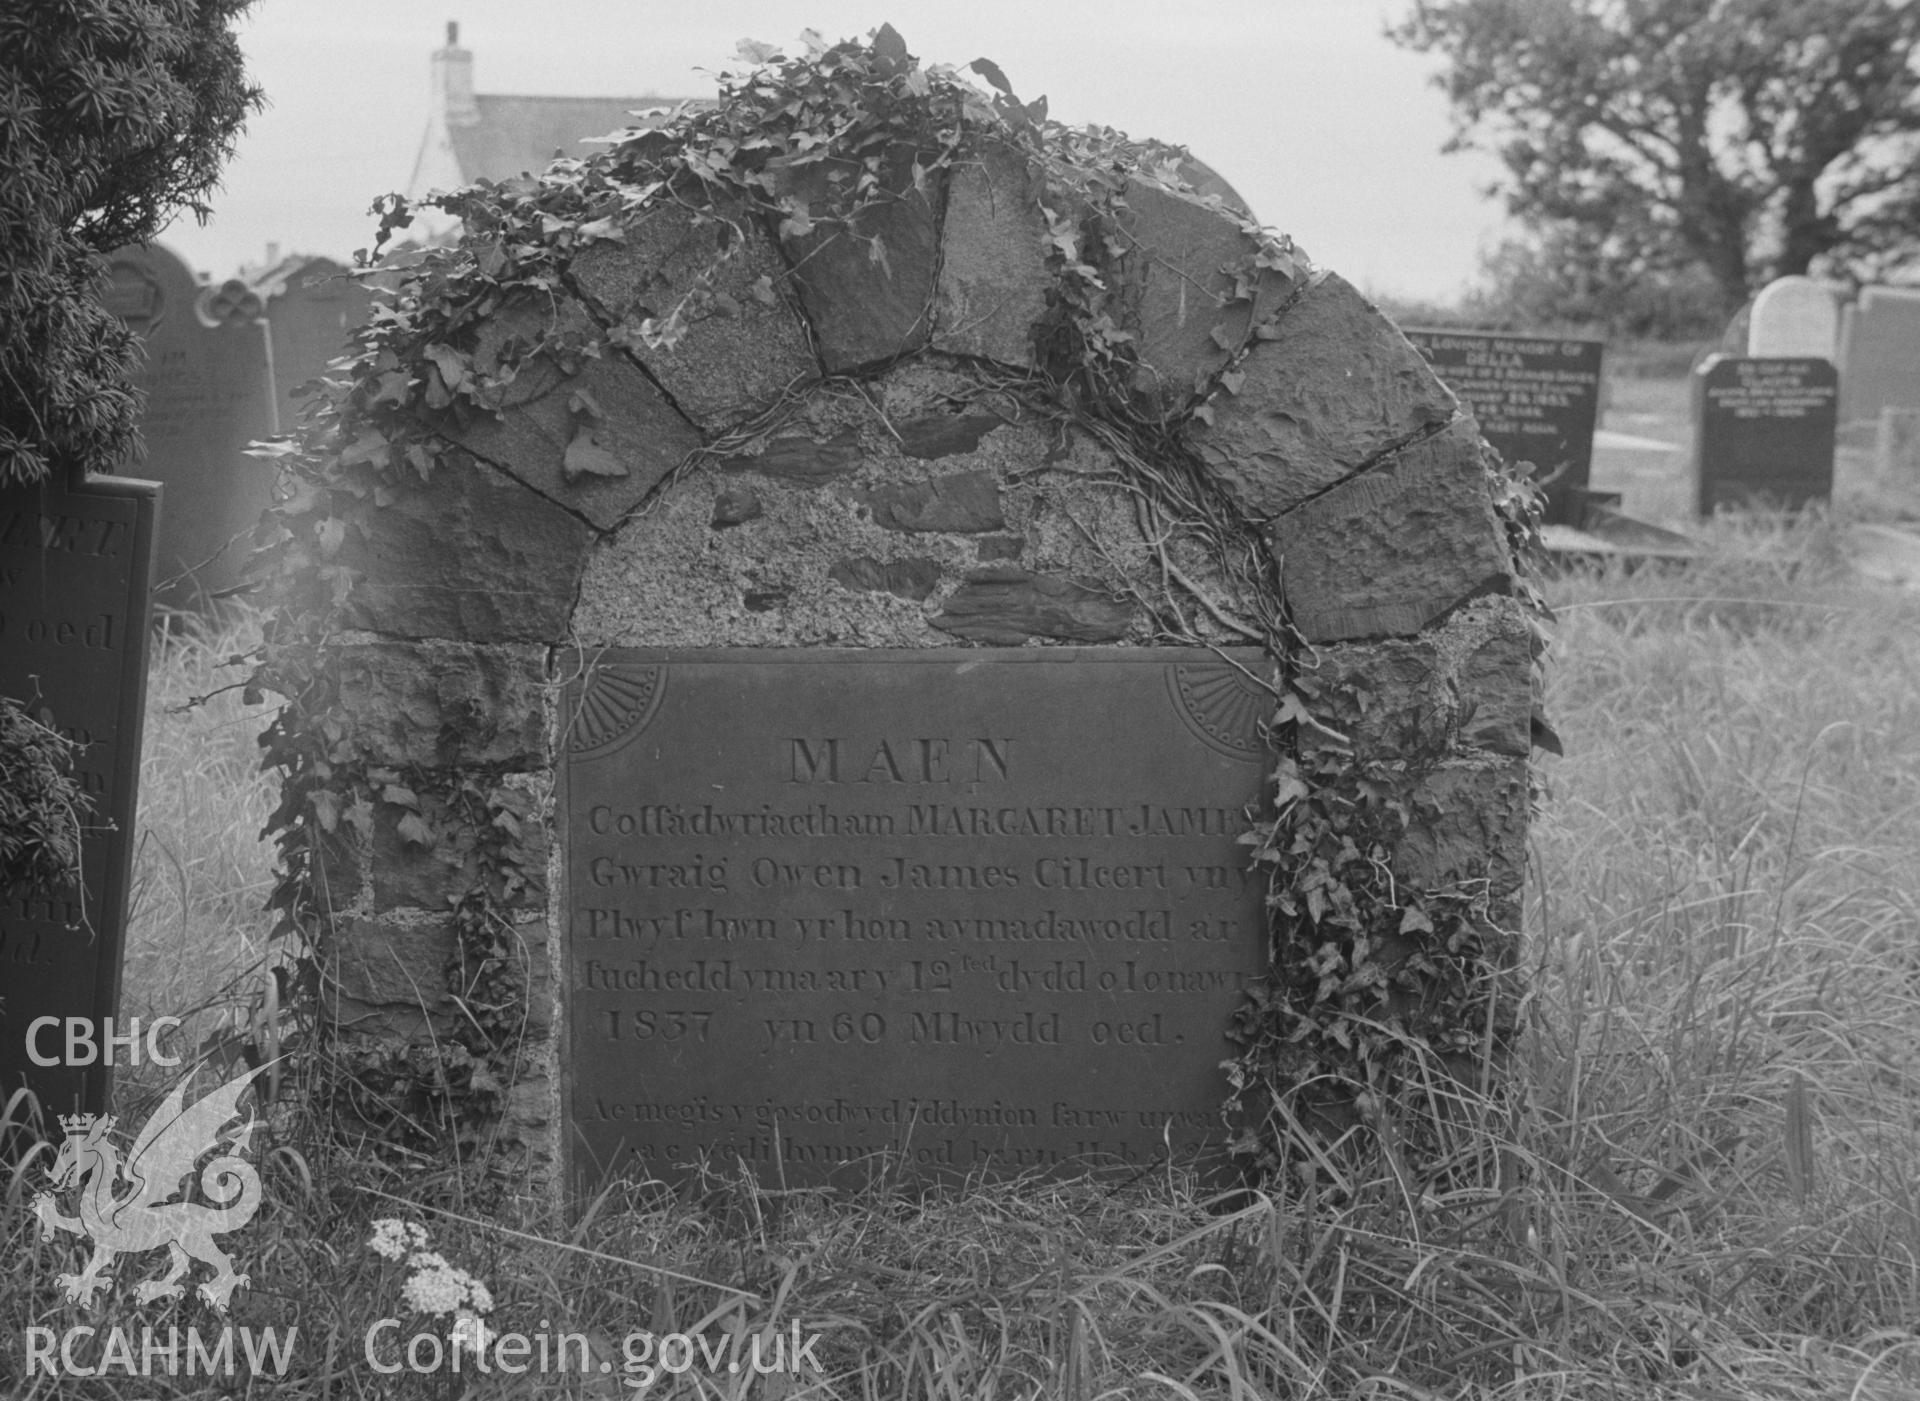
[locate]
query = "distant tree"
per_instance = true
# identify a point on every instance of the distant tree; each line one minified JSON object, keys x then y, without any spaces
{"x":1560,"y":279}
{"x":114,"y":115}
{"x":1752,"y":138}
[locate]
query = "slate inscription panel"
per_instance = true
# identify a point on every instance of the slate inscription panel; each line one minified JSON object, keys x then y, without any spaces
{"x":1535,"y":400}
{"x":1764,"y":431}
{"x":75,"y":575}
{"x":985,"y":907}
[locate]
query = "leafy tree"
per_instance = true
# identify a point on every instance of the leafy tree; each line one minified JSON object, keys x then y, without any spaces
{"x":114,"y":114}
{"x":1753,"y":138}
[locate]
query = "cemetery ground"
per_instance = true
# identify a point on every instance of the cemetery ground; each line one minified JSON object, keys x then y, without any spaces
{"x":1707,"y":1183}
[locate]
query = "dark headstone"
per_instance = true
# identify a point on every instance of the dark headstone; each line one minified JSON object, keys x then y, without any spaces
{"x":76,"y":572}
{"x":976,"y":907}
{"x":1764,"y":432}
{"x":209,"y":394}
{"x":1535,"y":398}
{"x":312,"y":306}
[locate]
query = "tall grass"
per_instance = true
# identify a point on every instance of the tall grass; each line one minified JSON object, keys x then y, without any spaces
{"x":1700,"y":1183}
{"x":196,"y":940}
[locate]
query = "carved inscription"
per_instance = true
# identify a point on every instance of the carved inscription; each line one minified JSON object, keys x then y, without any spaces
{"x":1764,"y":431}
{"x":1535,"y":399}
{"x":984,"y":907}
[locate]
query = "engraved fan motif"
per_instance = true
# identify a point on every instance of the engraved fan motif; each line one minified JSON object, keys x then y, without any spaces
{"x":1222,"y":705}
{"x":616,"y":701}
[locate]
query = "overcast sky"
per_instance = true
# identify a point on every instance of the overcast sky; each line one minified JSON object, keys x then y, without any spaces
{"x":1330,"y":132}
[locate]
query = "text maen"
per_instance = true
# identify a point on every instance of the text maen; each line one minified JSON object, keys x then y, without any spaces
{"x":899,"y":760}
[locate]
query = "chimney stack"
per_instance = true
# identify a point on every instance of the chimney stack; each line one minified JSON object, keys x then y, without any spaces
{"x":453,"y":80}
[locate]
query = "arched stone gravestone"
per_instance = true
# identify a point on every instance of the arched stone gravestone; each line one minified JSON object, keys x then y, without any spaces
{"x":204,"y":373}
{"x":803,"y":730}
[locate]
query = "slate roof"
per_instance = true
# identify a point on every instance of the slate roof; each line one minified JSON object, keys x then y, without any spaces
{"x":519,"y":135}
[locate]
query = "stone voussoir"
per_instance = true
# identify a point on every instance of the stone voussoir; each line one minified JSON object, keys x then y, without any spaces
{"x":473,"y":554}
{"x":443,"y":705}
{"x":867,"y":309}
{"x":993,"y":263}
{"x":1337,"y":386}
{"x":592,"y":433}
{"x":1387,"y":552}
{"x":743,"y":343}
{"x":1175,"y":294}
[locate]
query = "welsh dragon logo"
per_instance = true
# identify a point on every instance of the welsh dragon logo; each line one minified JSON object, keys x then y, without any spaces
{"x":124,"y":1208}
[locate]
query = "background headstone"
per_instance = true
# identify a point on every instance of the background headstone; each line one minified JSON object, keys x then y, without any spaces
{"x":75,"y":574}
{"x":1794,"y":317}
{"x":311,"y":307}
{"x":209,"y":394}
{"x":1880,"y":355}
{"x":1897,"y":447}
{"x":1764,"y":432}
{"x":1535,"y":399}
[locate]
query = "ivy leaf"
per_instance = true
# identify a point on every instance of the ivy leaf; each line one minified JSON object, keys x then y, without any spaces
{"x":602,"y":230}
{"x":990,"y":70}
{"x":890,"y":52}
{"x":1414,"y":921}
{"x":586,"y":458}
{"x":332,"y":534}
{"x":414,"y":831}
{"x":326,"y":808}
{"x":455,"y":368}
{"x":359,"y":816}
{"x":370,"y":446}
{"x":755,"y":51}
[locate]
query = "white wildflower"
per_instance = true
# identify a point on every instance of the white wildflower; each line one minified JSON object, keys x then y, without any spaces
{"x":393,"y":1239}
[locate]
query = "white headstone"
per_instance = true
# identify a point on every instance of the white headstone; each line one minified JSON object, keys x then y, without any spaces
{"x":1794,"y":317}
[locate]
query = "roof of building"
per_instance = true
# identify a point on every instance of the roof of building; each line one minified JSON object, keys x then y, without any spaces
{"x":519,"y":135}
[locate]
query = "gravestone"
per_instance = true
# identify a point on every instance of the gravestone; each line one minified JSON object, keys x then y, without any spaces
{"x":312,"y":305}
{"x":76,"y":568}
{"x":1896,"y":454}
{"x":874,"y":759}
{"x":824,"y":903}
{"x":204,"y":372}
{"x":1794,"y":318}
{"x":1763,"y":432}
{"x":1535,"y":399}
{"x":1880,"y":355}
